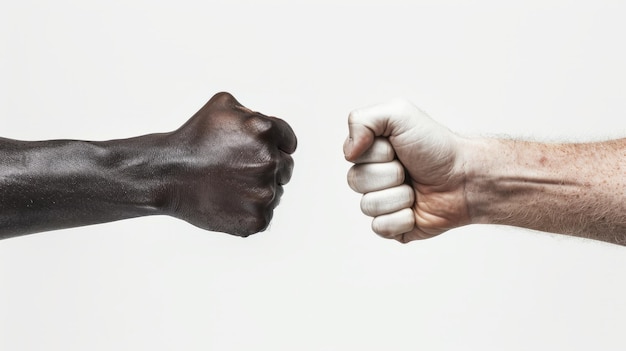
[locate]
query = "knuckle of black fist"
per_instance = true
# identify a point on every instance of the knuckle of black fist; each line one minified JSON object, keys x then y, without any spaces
{"x":259,"y":125}
{"x":258,"y":221}
{"x":266,"y":164}
{"x":264,"y":196}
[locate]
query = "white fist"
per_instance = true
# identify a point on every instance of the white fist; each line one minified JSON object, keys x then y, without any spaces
{"x":380,"y":177}
{"x":410,"y":169}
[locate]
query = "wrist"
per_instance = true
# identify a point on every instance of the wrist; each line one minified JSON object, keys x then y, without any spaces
{"x":502,"y":181}
{"x":476,"y":166}
{"x":137,"y":166}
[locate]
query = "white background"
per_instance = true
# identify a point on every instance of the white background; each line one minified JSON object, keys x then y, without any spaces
{"x":318,"y":279}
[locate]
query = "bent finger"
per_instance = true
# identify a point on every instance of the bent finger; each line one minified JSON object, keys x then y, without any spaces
{"x":393,"y":224}
{"x":380,"y":151}
{"x":387,"y":200}
{"x":368,"y":177}
{"x":387,"y":119}
{"x":285,"y":136}
{"x":284,"y":169}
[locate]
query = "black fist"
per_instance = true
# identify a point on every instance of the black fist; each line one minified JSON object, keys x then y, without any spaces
{"x":227,"y":167}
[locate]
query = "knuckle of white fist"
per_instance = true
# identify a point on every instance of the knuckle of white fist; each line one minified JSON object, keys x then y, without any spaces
{"x":353,"y":179}
{"x":395,"y":223}
{"x":387,"y":200}
{"x":369,"y":206}
{"x":406,"y":219}
{"x":360,"y":178}
{"x":383,"y":150}
{"x":374,"y":203}
{"x":369,"y":177}
{"x":381,"y":227}
{"x":398,"y":172}
{"x":389,"y":152}
{"x":408,"y":195}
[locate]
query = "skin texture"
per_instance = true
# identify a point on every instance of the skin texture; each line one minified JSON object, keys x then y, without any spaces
{"x":419,"y":179}
{"x":223,"y":170}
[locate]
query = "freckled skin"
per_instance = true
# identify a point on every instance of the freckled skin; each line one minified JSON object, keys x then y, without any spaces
{"x":223,"y":170}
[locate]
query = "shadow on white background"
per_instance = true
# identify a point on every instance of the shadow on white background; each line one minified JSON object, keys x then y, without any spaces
{"x":318,"y":279}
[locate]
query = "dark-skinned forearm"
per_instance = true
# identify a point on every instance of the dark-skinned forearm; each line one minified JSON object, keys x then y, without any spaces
{"x":47,"y":185}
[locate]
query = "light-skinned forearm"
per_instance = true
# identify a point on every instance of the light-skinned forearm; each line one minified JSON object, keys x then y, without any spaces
{"x":574,"y":189}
